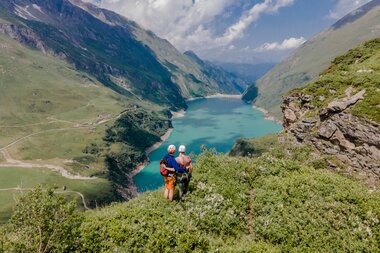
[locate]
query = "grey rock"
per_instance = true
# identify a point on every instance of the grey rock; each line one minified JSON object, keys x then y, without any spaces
{"x":354,"y":141}
{"x":341,"y":105}
{"x":327,"y":131}
{"x":306,"y":98}
{"x":310,"y":121}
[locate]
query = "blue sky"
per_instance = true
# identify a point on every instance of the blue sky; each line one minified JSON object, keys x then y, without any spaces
{"x":248,"y":31}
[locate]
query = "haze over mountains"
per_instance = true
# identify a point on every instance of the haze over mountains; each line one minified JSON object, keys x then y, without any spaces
{"x":306,"y":62}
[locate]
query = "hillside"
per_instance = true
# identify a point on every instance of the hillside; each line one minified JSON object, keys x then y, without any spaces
{"x":284,"y":201}
{"x":78,"y":85}
{"x":55,"y":118}
{"x":284,"y":195}
{"x":339,"y":113}
{"x":115,"y":50}
{"x":304,"y":65}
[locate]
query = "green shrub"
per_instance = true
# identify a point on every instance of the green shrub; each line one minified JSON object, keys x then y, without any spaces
{"x":43,"y":222}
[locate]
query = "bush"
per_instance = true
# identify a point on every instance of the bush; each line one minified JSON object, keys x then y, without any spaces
{"x":43,"y":222}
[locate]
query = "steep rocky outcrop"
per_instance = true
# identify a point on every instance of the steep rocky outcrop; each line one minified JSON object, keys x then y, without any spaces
{"x":352,"y":143}
{"x":339,"y":113}
{"x":26,"y":36}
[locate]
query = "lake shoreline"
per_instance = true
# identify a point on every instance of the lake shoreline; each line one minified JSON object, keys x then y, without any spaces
{"x":218,"y":95}
{"x":267,"y":115}
{"x":133,"y":188}
{"x":175,"y":115}
{"x":179,"y":114}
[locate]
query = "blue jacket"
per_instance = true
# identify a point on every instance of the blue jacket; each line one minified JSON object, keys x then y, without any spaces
{"x":172,"y":163}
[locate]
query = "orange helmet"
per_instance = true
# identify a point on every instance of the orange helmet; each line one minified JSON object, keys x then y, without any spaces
{"x":171,"y":149}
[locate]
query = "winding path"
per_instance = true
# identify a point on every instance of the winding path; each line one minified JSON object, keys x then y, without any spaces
{"x":10,"y":162}
{"x":57,"y":192}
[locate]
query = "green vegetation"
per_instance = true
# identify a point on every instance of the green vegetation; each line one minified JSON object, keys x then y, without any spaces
{"x":60,"y":115}
{"x":47,"y":98}
{"x":96,"y":191}
{"x":136,"y":130}
{"x":358,"y":69}
{"x":43,"y":222}
{"x":254,"y":147}
{"x":305,"y":64}
{"x":275,"y":203}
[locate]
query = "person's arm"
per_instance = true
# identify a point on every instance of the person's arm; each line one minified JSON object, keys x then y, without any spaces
{"x":190,"y":166}
{"x":176,"y":166}
{"x":169,"y":169}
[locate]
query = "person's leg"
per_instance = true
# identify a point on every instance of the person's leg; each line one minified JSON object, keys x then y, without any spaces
{"x":170,"y":195}
{"x":166,"y":193}
{"x":181,"y":187}
{"x":188,"y":183}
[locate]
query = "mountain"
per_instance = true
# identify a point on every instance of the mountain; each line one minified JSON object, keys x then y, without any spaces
{"x":227,"y":80}
{"x":101,"y":81}
{"x":304,"y":65}
{"x":115,"y":50}
{"x":247,"y":71}
{"x":338,"y":115}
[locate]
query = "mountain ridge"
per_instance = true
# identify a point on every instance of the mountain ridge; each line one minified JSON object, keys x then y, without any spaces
{"x":305,"y":63}
{"x":112,"y":52}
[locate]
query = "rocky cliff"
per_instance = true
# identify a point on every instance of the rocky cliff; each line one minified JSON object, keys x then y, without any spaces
{"x":339,"y":114}
{"x":349,"y":143}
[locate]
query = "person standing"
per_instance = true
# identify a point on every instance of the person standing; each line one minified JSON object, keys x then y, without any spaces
{"x":172,"y":166}
{"x":184,"y":161}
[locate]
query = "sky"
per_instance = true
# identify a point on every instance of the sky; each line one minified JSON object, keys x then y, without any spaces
{"x":243,"y":31}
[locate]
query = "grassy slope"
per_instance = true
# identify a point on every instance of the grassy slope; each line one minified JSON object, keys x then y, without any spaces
{"x":41,"y":93}
{"x":254,"y":147}
{"x":61,"y":109}
{"x":309,"y":60}
{"x":28,"y":178}
{"x":280,"y":202}
{"x":346,"y":71}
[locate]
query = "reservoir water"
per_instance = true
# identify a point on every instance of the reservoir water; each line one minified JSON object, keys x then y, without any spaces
{"x":213,"y":122}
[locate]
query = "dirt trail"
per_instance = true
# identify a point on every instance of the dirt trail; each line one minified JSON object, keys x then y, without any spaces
{"x":57,"y":192}
{"x":10,"y":162}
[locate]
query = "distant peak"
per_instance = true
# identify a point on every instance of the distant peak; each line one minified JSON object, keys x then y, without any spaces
{"x":194,"y":56}
{"x":356,"y":14}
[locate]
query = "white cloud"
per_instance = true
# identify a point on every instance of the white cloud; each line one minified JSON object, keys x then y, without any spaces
{"x":343,"y":7}
{"x":236,"y":30}
{"x":290,"y":43}
{"x":185,"y":23}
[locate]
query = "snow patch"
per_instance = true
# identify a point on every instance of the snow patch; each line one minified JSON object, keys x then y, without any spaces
{"x":25,"y":12}
{"x":38,"y":8}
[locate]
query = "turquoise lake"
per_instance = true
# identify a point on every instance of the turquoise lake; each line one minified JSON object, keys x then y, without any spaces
{"x":213,"y":122}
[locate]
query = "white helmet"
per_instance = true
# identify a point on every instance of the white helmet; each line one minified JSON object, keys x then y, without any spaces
{"x":182,"y":149}
{"x":171,"y":149}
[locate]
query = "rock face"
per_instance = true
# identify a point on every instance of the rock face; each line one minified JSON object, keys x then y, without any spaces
{"x":23,"y":35}
{"x":352,"y":143}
